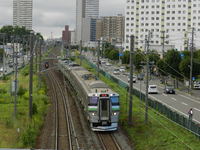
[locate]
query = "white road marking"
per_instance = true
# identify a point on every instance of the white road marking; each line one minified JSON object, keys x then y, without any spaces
{"x":196,"y":109}
{"x":185,"y":104}
{"x":164,"y":94}
{"x":188,"y":98}
{"x":185,"y":114}
{"x":174,"y":99}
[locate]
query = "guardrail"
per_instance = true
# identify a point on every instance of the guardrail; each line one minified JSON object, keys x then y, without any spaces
{"x":163,"y":109}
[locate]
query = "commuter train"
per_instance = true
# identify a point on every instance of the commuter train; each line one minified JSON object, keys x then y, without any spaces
{"x":100,"y":103}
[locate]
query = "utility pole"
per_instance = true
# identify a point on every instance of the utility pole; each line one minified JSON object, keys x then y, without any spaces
{"x":191,"y":59}
{"x":4,"y":54}
{"x":31,"y":77}
{"x":163,"y":43}
{"x":132,"y":44}
{"x":98,"y":60}
{"x":40,"y":61}
{"x":16,"y":81}
{"x":147,"y":76}
{"x":80,"y":52}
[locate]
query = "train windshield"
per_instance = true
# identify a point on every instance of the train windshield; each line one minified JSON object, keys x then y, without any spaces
{"x":93,"y":101}
{"x":115,"y":100}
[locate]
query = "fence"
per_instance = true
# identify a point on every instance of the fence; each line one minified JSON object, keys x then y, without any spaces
{"x":172,"y":115}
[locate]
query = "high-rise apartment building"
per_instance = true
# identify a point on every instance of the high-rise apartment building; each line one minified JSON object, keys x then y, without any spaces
{"x":170,"y":21}
{"x":22,"y":13}
{"x":110,"y":28}
{"x":87,"y":11}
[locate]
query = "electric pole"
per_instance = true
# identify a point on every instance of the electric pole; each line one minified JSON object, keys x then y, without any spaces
{"x":4,"y":54}
{"x":191,"y":59}
{"x":98,"y":60}
{"x":163,"y":43}
{"x":132,"y":44}
{"x":80,"y":52}
{"x":147,"y":76}
{"x":31,"y":77}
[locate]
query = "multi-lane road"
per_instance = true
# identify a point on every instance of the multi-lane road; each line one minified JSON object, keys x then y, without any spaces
{"x":180,"y":102}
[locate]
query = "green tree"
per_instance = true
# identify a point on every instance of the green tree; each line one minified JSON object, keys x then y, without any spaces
{"x":126,"y":57}
{"x":162,"y":67}
{"x":154,"y":57}
{"x":138,"y":58}
{"x":113,"y":55}
{"x":172,"y":60}
{"x":184,"y":67}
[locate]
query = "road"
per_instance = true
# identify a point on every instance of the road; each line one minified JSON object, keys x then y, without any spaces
{"x":180,"y":102}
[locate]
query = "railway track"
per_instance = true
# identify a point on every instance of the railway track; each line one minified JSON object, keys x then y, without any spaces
{"x":108,"y":141}
{"x":60,"y":95}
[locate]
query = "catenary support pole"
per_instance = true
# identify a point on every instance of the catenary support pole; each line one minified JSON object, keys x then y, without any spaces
{"x":31,"y":77}
{"x":132,"y":39}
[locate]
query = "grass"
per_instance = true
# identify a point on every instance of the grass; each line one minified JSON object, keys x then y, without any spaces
{"x":22,"y":131}
{"x":159,"y":134}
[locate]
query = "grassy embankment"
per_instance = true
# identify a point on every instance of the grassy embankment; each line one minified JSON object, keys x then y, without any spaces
{"x":21,"y":132}
{"x":159,"y":134}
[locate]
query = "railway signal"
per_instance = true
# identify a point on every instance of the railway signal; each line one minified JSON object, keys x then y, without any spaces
{"x":46,"y":65}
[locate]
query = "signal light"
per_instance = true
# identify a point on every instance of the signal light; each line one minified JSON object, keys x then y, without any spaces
{"x":46,"y":65}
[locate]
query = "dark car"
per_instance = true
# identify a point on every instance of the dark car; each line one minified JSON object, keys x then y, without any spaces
{"x":169,"y":90}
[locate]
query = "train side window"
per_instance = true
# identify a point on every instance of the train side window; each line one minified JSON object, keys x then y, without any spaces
{"x":93,"y":101}
{"x":114,"y":100}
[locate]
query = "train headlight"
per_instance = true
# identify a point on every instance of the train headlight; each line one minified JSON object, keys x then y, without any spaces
{"x":93,"y":113}
{"x":115,"y":113}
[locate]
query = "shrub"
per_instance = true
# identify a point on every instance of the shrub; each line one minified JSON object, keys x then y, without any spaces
{"x":35,"y":110}
{"x":28,"y":137}
{"x":21,"y":91}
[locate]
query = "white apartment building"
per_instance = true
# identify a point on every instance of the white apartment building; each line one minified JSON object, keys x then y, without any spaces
{"x":170,"y":21}
{"x":86,"y":13}
{"x":22,"y":13}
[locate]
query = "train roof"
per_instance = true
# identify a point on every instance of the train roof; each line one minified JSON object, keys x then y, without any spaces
{"x":89,"y":81}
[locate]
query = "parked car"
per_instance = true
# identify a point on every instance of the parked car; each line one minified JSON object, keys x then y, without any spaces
{"x":1,"y":69}
{"x":134,"y":79}
{"x":140,"y":76}
{"x":169,"y":90}
{"x":122,"y":69}
{"x":116,"y":72}
{"x":108,"y":64}
{"x":197,"y":85}
{"x":152,"y":89}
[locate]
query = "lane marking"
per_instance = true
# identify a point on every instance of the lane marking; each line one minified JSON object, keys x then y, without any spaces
{"x":164,"y":94}
{"x":174,"y":99}
{"x":197,"y":109}
{"x":184,"y":104}
{"x":172,"y":108}
{"x":189,"y":98}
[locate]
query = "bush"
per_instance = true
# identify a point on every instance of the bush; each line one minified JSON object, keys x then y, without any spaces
{"x":28,"y":137}
{"x":35,"y":111}
{"x":21,"y":91}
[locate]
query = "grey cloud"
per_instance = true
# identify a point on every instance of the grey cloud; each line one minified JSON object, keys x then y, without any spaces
{"x":51,"y":15}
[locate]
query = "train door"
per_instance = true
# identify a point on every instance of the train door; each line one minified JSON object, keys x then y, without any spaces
{"x":104,"y":109}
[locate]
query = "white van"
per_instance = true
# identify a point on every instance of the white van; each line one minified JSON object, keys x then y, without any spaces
{"x":152,"y":89}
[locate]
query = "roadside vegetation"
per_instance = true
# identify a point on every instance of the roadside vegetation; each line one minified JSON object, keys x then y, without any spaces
{"x":22,"y":131}
{"x":159,"y":134}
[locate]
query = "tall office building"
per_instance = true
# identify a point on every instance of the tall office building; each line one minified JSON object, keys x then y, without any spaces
{"x":22,"y":13}
{"x":171,"y":23}
{"x":87,"y":11}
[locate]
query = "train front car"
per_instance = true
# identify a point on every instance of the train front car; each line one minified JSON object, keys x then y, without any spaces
{"x":103,"y":109}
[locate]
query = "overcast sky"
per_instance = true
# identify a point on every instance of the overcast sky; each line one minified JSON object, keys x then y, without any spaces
{"x":51,"y":15}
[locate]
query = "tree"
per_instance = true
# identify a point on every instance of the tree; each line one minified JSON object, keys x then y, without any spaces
{"x":126,"y":57}
{"x":138,"y":58}
{"x":154,"y":57}
{"x":184,"y":67}
{"x":172,"y":60}
{"x":162,"y":67}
